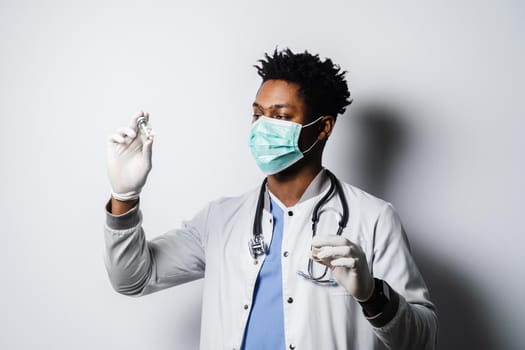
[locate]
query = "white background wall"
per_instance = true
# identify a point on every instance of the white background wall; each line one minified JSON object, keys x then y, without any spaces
{"x":436,"y":128}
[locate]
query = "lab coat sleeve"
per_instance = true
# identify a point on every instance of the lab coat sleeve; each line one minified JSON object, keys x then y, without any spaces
{"x":137,"y":267}
{"x":413,"y":324}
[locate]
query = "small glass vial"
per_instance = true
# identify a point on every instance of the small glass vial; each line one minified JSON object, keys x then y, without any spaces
{"x":145,"y":128}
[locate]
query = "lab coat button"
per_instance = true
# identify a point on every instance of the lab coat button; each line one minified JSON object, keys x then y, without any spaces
{"x":290,"y":213}
{"x":245,"y":306}
{"x":290,"y":300}
{"x":292,"y":347}
{"x":285,"y":254}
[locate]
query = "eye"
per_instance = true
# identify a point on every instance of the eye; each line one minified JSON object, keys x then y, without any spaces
{"x":280,"y":116}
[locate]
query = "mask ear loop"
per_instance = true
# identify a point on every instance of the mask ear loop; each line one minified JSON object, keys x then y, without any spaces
{"x":307,"y":125}
{"x":312,"y":146}
{"x":311,"y":123}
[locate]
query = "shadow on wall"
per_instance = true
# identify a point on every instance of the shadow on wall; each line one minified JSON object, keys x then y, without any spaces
{"x":381,"y":139}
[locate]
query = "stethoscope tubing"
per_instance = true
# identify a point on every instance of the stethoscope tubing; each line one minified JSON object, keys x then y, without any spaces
{"x":335,"y":186}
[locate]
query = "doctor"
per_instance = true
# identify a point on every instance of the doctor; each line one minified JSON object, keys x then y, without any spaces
{"x":269,"y":281}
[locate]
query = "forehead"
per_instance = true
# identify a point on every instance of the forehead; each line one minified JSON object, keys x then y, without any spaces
{"x":279,"y":92}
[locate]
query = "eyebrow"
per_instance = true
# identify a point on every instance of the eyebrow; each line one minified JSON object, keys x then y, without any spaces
{"x":275,"y":106}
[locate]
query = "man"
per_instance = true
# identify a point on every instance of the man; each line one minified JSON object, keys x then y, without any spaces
{"x":267,"y":283}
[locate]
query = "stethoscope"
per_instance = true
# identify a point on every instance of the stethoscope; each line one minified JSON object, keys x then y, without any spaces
{"x":256,"y":243}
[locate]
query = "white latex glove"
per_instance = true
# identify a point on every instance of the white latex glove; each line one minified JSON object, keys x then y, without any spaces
{"x":129,"y":160}
{"x":348,"y":263}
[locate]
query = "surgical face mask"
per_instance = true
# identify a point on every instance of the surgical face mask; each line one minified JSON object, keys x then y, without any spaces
{"x":274,"y":143}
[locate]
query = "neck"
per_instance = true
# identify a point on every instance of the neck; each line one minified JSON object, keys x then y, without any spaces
{"x":289,"y":186}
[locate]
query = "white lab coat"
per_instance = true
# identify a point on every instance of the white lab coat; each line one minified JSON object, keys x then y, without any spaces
{"x":214,"y":245}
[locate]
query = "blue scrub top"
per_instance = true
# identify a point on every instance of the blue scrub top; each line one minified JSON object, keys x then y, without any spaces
{"x":265,"y":328}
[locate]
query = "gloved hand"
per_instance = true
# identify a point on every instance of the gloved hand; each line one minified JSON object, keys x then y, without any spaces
{"x":129,"y":160}
{"x":348,"y":263}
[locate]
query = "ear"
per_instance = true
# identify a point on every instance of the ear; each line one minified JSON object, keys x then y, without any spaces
{"x":326,"y":127}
